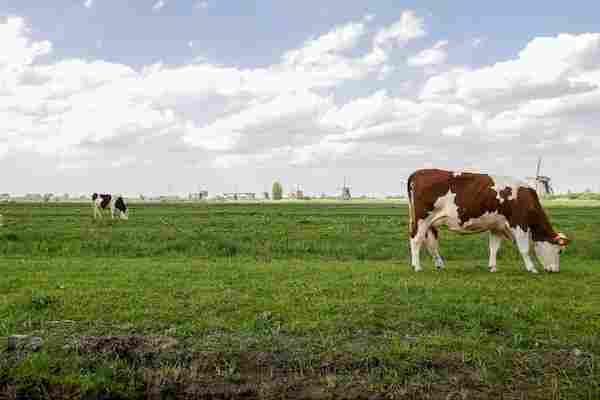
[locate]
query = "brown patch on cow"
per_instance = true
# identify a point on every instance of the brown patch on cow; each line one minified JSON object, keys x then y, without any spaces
{"x":474,"y":197}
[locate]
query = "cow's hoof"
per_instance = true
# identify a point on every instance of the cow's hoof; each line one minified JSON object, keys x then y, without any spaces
{"x":534,"y":271}
{"x":418,"y":269}
{"x":493,"y":269}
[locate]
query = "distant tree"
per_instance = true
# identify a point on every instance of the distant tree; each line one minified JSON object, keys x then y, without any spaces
{"x":277,"y":191}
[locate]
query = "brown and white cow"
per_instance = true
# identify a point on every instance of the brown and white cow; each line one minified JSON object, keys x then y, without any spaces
{"x":116,"y":204}
{"x":468,"y":202}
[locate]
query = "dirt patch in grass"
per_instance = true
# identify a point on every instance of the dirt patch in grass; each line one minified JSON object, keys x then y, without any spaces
{"x":126,"y":344}
{"x":136,"y":349}
{"x":276,"y":374}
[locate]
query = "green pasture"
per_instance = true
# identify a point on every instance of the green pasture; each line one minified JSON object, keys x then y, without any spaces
{"x":289,"y":300}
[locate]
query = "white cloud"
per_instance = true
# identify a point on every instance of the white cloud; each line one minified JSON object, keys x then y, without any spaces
{"x":478,"y":41}
{"x":433,"y":56}
{"x":453,"y":130}
{"x":88,"y":3}
{"x":547,"y":67}
{"x":369,"y":17}
{"x":285,"y":118}
{"x":18,"y":50}
{"x":290,"y":113}
{"x":326,"y":47}
{"x":158,"y":5}
{"x":409,"y":27}
{"x":202,"y":4}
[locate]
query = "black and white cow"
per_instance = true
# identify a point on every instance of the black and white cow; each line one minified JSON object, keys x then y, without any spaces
{"x":116,"y":205}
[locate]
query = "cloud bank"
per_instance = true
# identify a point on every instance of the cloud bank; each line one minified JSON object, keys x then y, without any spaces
{"x":295,"y":113}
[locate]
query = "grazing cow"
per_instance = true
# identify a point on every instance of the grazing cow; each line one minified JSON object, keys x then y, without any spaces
{"x":116,"y":204}
{"x":472,"y":203}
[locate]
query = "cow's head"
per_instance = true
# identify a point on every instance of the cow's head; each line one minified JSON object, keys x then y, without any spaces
{"x":548,"y":252}
{"x":121,"y":208}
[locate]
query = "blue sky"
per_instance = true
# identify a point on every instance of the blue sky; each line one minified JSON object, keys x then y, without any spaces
{"x":254,"y":33}
{"x":253,"y":91}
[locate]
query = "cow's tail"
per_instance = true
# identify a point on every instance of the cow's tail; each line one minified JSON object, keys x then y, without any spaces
{"x":410,"y":191}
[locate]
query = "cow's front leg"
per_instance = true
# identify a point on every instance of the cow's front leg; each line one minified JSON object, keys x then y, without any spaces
{"x":495,"y":242}
{"x":431,"y":241}
{"x":522,"y":241}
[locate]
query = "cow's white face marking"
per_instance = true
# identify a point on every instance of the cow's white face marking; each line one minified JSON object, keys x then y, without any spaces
{"x":457,"y":173}
{"x":503,"y":182}
{"x":549,"y":255}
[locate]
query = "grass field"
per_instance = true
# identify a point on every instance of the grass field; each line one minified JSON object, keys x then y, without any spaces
{"x":295,"y":300}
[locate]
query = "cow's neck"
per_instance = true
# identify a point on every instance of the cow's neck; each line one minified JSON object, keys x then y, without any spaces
{"x":541,"y":229}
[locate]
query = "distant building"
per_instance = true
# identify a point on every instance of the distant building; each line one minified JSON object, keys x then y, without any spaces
{"x":198,"y":196}
{"x":33,"y":197}
{"x":239,"y":196}
{"x":170,"y":198}
{"x":296,"y":195}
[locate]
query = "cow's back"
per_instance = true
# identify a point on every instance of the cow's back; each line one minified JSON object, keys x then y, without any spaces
{"x":463,"y":195}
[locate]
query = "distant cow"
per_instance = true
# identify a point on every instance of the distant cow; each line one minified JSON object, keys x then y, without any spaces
{"x":115,"y":204}
{"x":472,"y":203}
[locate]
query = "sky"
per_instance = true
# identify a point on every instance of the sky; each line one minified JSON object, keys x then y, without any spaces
{"x":169,"y":97}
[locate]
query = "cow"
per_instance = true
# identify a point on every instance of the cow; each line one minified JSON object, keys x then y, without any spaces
{"x":467,"y":202}
{"x":116,"y":204}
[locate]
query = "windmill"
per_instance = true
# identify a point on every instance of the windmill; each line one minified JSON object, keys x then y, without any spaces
{"x":541,"y":182}
{"x":345,"y":195}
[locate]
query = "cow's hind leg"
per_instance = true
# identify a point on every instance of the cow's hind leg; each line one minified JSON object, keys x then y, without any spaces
{"x":415,"y":250}
{"x":431,"y":241}
{"x":416,"y":242}
{"x":495,"y":242}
